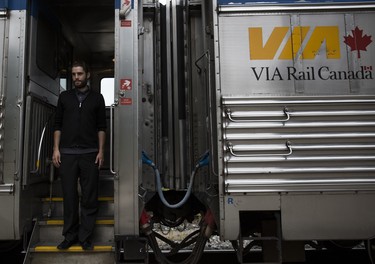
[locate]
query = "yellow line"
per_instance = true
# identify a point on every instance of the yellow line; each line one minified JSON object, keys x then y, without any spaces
{"x":98,"y":222}
{"x":72,"y":249}
{"x":106,"y":199}
{"x":60,"y":199}
{"x":105,"y":222}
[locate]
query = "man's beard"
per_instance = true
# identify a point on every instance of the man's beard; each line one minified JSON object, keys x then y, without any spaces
{"x":80,"y":84}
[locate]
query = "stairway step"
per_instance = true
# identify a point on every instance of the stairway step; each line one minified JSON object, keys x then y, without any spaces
{"x":72,"y":257}
{"x":54,"y":206}
{"x":50,"y":231}
{"x":74,"y":248}
{"x":61,"y":222}
{"x":60,"y":199}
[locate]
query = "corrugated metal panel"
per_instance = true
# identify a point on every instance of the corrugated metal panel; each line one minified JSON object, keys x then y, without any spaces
{"x":291,"y":144}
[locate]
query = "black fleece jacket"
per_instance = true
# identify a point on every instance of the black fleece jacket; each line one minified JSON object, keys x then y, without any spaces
{"x":79,"y":123}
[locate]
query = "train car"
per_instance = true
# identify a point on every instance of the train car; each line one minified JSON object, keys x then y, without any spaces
{"x":253,"y":119}
{"x":295,"y":103}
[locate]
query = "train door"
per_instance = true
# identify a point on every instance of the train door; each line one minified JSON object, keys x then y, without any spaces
{"x":60,"y":32}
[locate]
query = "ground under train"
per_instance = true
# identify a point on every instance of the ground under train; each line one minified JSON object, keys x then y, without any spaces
{"x":199,"y":124}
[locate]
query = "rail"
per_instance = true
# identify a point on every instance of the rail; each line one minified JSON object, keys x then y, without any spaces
{"x":263,"y":7}
{"x":111,"y":140}
{"x":296,"y":185}
{"x":286,"y":113}
{"x":37,"y":163}
{"x":288,"y":153}
{"x":7,"y":188}
{"x":3,"y":13}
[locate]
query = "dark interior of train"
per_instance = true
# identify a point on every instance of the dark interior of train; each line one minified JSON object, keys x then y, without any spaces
{"x":89,"y":27}
{"x":87,"y":33}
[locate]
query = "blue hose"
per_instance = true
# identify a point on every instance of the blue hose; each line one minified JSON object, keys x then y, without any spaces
{"x":203,"y":161}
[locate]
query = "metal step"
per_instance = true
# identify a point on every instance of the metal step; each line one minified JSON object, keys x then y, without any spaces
{"x":98,"y":247}
{"x":51,"y":230}
{"x":76,"y":257}
{"x":47,"y":234}
{"x":53,"y":207}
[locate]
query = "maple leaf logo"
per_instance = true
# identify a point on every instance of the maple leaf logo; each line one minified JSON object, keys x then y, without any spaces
{"x":357,"y":42}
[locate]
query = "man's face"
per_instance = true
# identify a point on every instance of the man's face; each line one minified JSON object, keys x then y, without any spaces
{"x":79,"y":77}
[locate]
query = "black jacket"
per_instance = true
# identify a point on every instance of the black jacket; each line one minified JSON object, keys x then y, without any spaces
{"x":79,"y":123}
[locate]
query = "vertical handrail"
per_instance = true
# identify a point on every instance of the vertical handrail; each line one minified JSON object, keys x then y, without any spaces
{"x":18,"y":161}
{"x":111,"y":140}
{"x":40,"y":145}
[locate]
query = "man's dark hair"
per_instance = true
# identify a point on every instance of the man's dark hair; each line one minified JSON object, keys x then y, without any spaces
{"x":82,"y":64}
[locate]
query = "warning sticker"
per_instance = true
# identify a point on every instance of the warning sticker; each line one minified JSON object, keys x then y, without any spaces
{"x":126,"y":101}
{"x":126,"y":23}
{"x":126,"y":84}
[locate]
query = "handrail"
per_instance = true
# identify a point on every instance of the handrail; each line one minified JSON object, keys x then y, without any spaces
{"x":111,"y":140}
{"x":245,"y":114}
{"x":18,"y":162}
{"x":4,"y":13}
{"x":40,"y":145}
{"x":288,"y":145}
{"x":286,"y":136}
{"x":37,"y":163}
{"x":239,"y":101}
{"x":294,"y":7}
{"x":298,"y":185}
{"x":7,"y":188}
{"x":285,"y":110}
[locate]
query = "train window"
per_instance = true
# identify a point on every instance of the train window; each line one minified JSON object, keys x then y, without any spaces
{"x":63,"y":84}
{"x":107,"y":88}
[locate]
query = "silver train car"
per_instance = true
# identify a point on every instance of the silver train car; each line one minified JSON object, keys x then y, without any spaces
{"x":255,"y":120}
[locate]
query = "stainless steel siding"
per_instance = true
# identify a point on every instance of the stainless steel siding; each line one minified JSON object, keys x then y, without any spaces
{"x":299,"y":144}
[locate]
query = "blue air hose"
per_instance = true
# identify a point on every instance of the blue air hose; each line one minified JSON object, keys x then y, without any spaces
{"x":203,"y":161}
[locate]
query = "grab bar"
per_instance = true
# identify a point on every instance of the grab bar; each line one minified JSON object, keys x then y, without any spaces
{"x":288,"y":145}
{"x":40,"y":145}
{"x":18,"y":163}
{"x":238,"y":101}
{"x":285,"y":110}
{"x":111,"y":140}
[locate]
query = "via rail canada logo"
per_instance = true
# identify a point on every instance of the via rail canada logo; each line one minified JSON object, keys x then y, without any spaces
{"x":305,"y":44}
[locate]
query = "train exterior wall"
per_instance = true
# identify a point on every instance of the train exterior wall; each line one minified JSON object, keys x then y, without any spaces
{"x":13,"y":52}
{"x":25,"y":109}
{"x":296,"y":96}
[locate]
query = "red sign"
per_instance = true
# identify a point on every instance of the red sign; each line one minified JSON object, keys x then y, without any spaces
{"x":126,"y":84}
{"x":126,"y":101}
{"x":126,"y":23}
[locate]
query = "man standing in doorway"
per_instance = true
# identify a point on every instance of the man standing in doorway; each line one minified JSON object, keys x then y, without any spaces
{"x":78,"y":152}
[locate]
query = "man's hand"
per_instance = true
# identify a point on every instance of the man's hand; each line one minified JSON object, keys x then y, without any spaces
{"x":56,"y":158}
{"x":99,"y":159}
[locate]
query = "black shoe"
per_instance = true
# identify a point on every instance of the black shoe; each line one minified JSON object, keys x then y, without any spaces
{"x":87,"y":245}
{"x":65,"y":244}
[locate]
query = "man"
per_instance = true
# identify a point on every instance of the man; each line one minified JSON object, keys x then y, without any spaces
{"x":78,"y":152}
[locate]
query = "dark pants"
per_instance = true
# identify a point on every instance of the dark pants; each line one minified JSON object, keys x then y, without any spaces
{"x":72,"y":168}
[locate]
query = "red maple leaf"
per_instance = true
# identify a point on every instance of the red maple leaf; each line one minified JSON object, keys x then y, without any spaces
{"x":357,"y":41}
